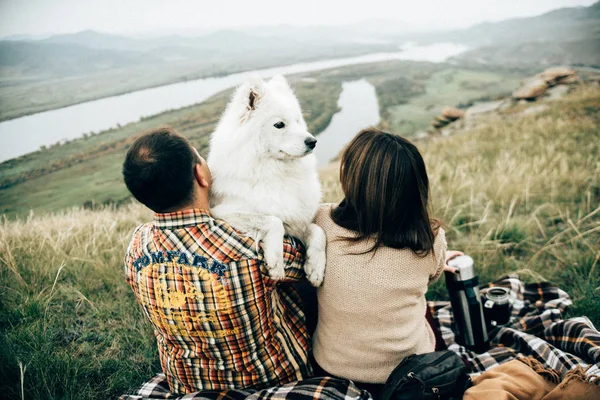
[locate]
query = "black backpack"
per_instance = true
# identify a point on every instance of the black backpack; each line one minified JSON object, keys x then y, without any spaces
{"x":438,"y":375}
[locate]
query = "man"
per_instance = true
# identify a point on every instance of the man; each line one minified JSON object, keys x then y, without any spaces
{"x":219,"y":320}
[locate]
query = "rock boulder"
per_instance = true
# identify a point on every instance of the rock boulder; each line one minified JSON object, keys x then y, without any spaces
{"x":556,"y":75}
{"x":531,"y":90}
{"x":453,"y":113}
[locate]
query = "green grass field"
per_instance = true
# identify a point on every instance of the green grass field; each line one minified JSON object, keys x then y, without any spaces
{"x":520,"y":193}
{"x":449,"y":86}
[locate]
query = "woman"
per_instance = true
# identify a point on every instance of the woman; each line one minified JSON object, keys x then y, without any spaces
{"x":383,"y":250}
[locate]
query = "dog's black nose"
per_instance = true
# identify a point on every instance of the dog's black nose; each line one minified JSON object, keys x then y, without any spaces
{"x":310,"y":143}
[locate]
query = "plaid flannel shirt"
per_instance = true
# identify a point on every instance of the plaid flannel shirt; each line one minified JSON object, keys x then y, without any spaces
{"x":219,"y":320}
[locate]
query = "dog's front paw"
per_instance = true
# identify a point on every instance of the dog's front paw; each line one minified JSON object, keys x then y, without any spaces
{"x":275,"y":263}
{"x":315,"y":255}
{"x":273,"y":247}
{"x":315,"y":266}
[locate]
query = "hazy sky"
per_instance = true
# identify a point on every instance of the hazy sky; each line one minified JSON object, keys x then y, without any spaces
{"x":128,"y":16}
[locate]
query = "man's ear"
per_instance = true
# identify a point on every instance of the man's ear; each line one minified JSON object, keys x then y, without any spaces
{"x":200,"y":178}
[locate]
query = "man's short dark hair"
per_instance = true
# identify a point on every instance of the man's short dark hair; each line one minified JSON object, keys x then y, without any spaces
{"x":159,"y":170}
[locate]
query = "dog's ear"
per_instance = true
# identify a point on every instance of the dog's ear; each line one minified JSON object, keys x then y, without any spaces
{"x":255,"y":91}
{"x":248,"y":97}
{"x":252,"y":99}
{"x":280,"y":82}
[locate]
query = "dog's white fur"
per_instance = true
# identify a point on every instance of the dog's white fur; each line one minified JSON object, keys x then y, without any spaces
{"x":265,"y":179}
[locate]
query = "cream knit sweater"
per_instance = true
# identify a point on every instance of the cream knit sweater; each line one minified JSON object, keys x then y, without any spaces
{"x":372,"y":307}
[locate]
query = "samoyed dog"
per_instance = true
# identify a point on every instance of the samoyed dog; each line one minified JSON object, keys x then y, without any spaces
{"x":265,"y":180}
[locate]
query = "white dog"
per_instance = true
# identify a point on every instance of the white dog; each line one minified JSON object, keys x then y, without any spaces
{"x":265,"y":177}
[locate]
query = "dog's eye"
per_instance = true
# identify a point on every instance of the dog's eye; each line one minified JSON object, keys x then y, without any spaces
{"x":279,"y":125}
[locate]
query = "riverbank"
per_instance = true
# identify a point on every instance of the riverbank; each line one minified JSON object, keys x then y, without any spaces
{"x":87,"y":170}
{"x":22,"y":97}
{"x":27,"y":134}
{"x":353,"y":116}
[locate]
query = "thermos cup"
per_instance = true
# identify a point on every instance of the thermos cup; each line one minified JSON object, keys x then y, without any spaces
{"x":470,"y":326}
{"x":496,"y":306}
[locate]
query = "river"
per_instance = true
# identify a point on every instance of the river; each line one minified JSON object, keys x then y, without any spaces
{"x":26,"y":134}
{"x":353,"y":116}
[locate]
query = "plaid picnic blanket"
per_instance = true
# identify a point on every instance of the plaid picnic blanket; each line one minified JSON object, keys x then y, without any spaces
{"x":536,"y":329}
{"x":313,"y":388}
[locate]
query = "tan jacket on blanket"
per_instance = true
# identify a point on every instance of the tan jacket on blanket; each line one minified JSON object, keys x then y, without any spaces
{"x":516,"y":380}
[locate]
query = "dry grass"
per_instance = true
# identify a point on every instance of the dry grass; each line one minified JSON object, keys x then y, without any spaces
{"x":69,"y":325}
{"x":521,"y":194}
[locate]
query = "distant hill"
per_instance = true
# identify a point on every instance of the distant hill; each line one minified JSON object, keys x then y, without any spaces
{"x":24,"y":37}
{"x":43,"y":74}
{"x":224,"y":40}
{"x":565,"y":24}
{"x":33,"y":70}
{"x":96,"y":40}
{"x":564,"y":36}
{"x":90,"y":51}
{"x":581,"y":52}
{"x":64,"y":59}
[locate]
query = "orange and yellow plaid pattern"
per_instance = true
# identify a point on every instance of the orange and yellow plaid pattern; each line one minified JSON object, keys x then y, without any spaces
{"x":220,"y":321}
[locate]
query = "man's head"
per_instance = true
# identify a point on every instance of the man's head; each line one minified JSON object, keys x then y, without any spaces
{"x":164,"y":172}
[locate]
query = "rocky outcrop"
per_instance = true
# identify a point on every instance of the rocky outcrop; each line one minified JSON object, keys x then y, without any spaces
{"x":453,"y":113}
{"x":448,"y":115}
{"x":559,"y":75}
{"x":551,"y":84}
{"x":485,"y":107}
{"x":531,"y":90}
{"x":535,"y":87}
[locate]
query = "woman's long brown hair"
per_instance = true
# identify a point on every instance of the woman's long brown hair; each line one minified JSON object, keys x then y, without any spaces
{"x":386,"y":190}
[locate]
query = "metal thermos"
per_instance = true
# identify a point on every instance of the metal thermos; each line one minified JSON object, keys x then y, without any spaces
{"x":470,"y":326}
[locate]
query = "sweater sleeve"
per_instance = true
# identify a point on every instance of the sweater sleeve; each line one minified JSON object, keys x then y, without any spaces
{"x":323,"y":215}
{"x":439,"y":254}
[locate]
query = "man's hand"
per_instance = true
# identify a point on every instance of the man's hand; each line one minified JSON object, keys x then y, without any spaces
{"x":450,"y":254}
